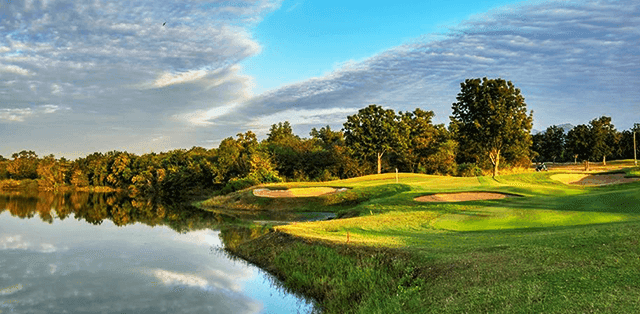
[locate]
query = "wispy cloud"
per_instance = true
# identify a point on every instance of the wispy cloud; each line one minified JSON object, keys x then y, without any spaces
{"x":16,"y":242}
{"x":20,"y":114}
{"x":572,"y":60}
{"x":116,"y":64}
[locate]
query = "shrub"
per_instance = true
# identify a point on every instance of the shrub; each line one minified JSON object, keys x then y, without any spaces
{"x":239,"y":184}
{"x":469,"y":170}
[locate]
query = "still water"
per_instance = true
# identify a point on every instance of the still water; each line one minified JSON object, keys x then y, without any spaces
{"x":102,"y":254}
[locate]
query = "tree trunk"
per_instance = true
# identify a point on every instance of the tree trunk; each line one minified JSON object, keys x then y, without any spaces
{"x":380,"y":163}
{"x":495,"y":161}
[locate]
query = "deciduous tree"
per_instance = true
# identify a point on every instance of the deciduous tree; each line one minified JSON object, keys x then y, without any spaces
{"x":373,"y":131}
{"x":579,"y":142}
{"x":490,"y":118}
{"x":604,"y":138}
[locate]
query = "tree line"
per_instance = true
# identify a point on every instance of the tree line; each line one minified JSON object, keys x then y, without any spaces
{"x":490,"y":129}
{"x":597,"y":141}
{"x":95,"y":208}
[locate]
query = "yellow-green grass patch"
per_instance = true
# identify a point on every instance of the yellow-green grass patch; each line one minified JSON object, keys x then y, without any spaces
{"x":373,"y":230}
{"x":503,"y":218}
{"x":568,"y":178}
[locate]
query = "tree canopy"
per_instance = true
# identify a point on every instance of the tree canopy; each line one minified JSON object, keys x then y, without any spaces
{"x":490,"y":118}
{"x":372,"y":131}
{"x":604,"y":138}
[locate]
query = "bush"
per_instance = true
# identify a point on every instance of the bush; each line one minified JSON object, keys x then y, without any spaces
{"x":239,"y":184}
{"x":469,"y":170}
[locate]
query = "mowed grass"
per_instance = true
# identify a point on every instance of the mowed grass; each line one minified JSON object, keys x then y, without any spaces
{"x":557,"y":249}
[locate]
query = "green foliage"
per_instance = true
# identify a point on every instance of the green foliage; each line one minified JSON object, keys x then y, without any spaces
{"x":239,"y":184}
{"x":579,"y":142}
{"x":624,"y":149}
{"x":233,"y":156}
{"x":604,"y":138}
{"x":262,"y":169}
{"x":469,"y":170}
{"x":490,"y":119}
{"x":24,"y":165}
{"x":373,"y":131}
{"x":550,"y":144}
{"x":426,"y":148}
{"x":597,"y":141}
{"x":52,"y":173}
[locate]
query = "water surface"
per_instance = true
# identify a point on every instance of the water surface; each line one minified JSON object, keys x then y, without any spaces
{"x":69,"y":259}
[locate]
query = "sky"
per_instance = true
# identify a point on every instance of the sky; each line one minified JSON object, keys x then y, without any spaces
{"x":85,"y":76}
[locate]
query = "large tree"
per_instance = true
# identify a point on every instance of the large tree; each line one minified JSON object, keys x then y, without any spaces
{"x":579,"y":142}
{"x":604,"y":138}
{"x":420,"y":136}
{"x":490,"y":118}
{"x":372,"y":131}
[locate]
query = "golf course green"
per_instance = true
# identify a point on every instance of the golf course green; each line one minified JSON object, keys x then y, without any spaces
{"x":553,"y":247}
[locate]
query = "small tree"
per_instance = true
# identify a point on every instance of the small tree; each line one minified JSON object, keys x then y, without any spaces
{"x":490,"y":118}
{"x":372,"y":131}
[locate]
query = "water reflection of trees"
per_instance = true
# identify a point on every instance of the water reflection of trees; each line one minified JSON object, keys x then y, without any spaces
{"x":122,"y":210}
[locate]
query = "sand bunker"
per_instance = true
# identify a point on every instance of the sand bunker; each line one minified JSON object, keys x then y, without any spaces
{"x":592,"y":179}
{"x":297,"y":192}
{"x":461,"y":197}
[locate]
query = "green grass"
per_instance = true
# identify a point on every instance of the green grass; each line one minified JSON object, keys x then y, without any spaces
{"x":557,"y":249}
{"x":632,"y":172}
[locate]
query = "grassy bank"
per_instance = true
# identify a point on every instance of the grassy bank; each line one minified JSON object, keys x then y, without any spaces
{"x":557,"y":249}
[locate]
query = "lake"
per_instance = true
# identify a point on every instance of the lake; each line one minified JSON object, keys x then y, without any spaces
{"x":100,"y":253}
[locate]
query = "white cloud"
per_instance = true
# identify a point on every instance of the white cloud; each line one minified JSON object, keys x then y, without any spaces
{"x":20,"y":114}
{"x":4,"y":68}
{"x":117,"y":65}
{"x":201,"y":237}
{"x":218,"y":279}
{"x":56,"y":89}
{"x":302,"y":117}
{"x":16,"y":115}
{"x":205,"y":117}
{"x":16,"y":242}
{"x":50,"y":108}
{"x":167,"y":79}
{"x":173,"y":278}
{"x":553,"y":51}
{"x":11,"y":289}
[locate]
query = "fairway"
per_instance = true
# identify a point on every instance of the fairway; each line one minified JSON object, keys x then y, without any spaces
{"x":559,"y":248}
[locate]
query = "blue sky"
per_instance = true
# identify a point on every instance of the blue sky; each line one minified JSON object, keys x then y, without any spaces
{"x":307,"y":39}
{"x":83,"y":76}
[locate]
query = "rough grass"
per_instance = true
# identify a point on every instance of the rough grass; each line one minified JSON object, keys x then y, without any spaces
{"x":558,"y":249}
